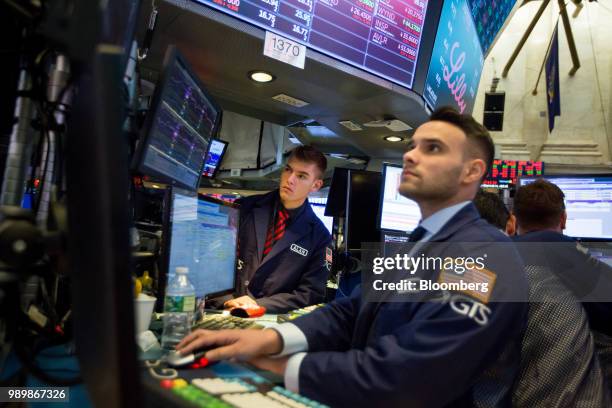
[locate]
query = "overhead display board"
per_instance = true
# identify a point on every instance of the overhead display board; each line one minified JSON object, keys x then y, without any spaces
{"x":506,"y":172}
{"x":456,"y":60}
{"x":382,"y":37}
{"x":489,"y":17}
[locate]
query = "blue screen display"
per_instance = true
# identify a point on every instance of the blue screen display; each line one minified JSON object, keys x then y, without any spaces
{"x":203,"y":237}
{"x":456,"y":60}
{"x":380,"y":36}
{"x":489,"y":17}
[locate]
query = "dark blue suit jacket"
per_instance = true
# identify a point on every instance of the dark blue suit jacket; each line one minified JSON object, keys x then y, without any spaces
{"x":586,"y":276}
{"x":420,"y":354}
{"x":293,"y":274}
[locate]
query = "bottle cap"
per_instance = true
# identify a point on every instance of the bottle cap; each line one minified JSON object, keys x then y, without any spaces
{"x":182,"y":269}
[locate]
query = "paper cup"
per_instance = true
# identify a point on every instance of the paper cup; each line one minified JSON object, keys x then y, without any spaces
{"x":143,"y":307}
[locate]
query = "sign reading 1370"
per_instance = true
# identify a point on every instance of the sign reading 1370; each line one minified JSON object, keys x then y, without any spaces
{"x":285,"y":50}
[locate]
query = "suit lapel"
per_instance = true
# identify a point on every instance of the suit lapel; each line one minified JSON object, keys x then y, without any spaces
{"x":260,"y":218}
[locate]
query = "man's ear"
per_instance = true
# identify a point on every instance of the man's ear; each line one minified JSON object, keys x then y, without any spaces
{"x":316,"y":186}
{"x":511,"y":225}
{"x":563,"y":220}
{"x":475,"y":171}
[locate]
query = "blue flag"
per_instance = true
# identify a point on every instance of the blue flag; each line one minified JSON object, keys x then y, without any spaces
{"x":553,"y":97}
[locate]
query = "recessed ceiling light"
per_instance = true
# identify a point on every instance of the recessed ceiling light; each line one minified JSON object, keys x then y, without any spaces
{"x":261,"y":76}
{"x":393,"y":139}
{"x":155,"y":186}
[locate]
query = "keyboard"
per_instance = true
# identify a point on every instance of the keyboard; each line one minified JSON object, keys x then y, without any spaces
{"x":294,"y":314}
{"x":235,"y":392}
{"x":224,"y":321}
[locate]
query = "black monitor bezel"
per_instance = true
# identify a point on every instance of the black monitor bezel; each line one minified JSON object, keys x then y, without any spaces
{"x":577,"y":176}
{"x":167,"y":242}
{"x":172,"y":55}
{"x":221,"y":156}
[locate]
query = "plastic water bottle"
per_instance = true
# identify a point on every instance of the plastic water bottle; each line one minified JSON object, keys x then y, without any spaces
{"x":179,"y":306}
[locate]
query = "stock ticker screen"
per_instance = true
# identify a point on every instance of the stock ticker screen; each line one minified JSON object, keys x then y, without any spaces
{"x":380,"y":36}
{"x":506,"y":172}
{"x":489,"y":17}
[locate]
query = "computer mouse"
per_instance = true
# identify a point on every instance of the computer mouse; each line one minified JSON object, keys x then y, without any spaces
{"x":248,"y":311}
{"x":175,"y":359}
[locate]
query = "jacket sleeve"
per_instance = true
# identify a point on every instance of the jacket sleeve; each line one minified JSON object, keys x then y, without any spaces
{"x":331,"y":327}
{"x":311,"y":289}
{"x":429,"y":360}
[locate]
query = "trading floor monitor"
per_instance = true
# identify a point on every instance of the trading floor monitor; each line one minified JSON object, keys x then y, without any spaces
{"x":588,"y":203}
{"x":202,"y":234}
{"x":182,"y":120}
{"x":396,"y":213}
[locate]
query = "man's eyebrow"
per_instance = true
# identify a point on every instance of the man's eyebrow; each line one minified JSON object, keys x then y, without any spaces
{"x":299,"y":172}
{"x":430,"y":139}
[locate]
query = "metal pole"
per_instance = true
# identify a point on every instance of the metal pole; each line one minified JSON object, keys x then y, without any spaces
{"x":58,"y":80}
{"x":20,"y":145}
{"x":519,"y":46}
{"x":570,"y":38}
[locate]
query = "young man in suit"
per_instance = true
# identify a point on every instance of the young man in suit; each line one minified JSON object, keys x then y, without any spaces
{"x":458,"y":350}
{"x":282,"y":242}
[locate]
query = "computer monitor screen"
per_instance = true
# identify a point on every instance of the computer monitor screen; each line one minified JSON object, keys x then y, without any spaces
{"x":181,"y":122}
{"x":214,"y":156}
{"x":203,"y":236}
{"x":397,"y":213}
{"x":506,"y":172}
{"x":588,"y":202}
{"x":318,"y":207}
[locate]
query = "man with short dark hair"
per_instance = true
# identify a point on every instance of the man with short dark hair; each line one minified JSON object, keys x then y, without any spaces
{"x":492,"y":208}
{"x":282,"y":242}
{"x":539,"y":206}
{"x":541,"y":217}
{"x":454,"y":349}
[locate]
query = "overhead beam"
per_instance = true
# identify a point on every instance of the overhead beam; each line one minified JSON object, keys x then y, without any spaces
{"x":570,"y":37}
{"x":526,"y":35}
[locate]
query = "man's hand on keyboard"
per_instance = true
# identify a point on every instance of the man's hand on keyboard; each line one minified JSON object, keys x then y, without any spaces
{"x":240,"y":345}
{"x":242,"y":301}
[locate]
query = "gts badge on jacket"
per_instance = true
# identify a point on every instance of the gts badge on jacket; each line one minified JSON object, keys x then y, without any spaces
{"x":299,"y":250}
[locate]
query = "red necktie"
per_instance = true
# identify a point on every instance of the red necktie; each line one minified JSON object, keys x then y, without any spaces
{"x":276,"y":233}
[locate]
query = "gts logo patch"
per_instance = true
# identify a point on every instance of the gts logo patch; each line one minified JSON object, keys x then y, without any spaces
{"x":299,"y":250}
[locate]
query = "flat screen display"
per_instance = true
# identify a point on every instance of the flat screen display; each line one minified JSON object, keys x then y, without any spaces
{"x":506,"y":172}
{"x":588,"y":203}
{"x":216,"y":150}
{"x":182,"y":120}
{"x":203,"y":237}
{"x":489,"y":17}
{"x":456,"y":60}
{"x":397,"y":213}
{"x":380,"y":36}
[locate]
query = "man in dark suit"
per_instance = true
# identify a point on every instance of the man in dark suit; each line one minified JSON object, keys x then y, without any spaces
{"x":541,"y":217}
{"x":282,"y":242}
{"x":439,"y":348}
